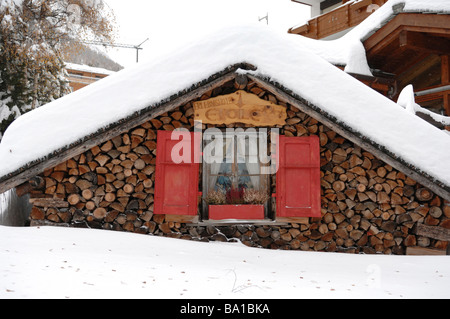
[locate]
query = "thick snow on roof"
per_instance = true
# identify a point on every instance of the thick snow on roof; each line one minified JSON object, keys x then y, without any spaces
{"x":279,"y":57}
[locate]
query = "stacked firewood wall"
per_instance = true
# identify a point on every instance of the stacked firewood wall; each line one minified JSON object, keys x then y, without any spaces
{"x":367,"y":206}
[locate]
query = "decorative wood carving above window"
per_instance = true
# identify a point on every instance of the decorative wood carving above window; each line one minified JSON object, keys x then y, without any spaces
{"x":239,"y":107}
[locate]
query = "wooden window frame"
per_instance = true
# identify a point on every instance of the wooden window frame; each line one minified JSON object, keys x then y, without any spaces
{"x":206,"y":173}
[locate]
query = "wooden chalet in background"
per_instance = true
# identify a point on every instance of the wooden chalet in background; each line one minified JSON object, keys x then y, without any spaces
{"x":80,"y":76}
{"x":408,"y":48}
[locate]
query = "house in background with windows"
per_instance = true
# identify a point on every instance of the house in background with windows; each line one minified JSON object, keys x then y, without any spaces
{"x":405,"y":43}
{"x":262,"y":141}
{"x":80,"y":75}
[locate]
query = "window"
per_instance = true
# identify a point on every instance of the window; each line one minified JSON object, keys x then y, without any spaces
{"x":232,"y":164}
{"x":234,"y":161}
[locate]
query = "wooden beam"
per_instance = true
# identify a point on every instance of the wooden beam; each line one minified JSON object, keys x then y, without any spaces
{"x":428,"y":94}
{"x":447,"y":105}
{"x":408,"y":75}
{"x":422,"y":251}
{"x":49,"y":202}
{"x":421,"y":42}
{"x":410,"y":63}
{"x":374,"y":48}
{"x":395,"y":55}
{"x":445,"y":79}
{"x":434,"y":232}
{"x":445,"y":69}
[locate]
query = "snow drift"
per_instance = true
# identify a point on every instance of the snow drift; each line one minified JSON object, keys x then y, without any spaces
{"x":51,"y":262}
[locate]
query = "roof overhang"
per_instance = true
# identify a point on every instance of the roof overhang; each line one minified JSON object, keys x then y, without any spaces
{"x":406,"y":39}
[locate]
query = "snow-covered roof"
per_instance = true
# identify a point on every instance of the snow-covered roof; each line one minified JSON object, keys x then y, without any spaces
{"x":279,"y":59}
{"x":87,"y":68}
{"x":393,"y":7}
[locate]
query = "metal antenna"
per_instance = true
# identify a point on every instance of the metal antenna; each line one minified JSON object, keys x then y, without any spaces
{"x":118,"y":45}
{"x":266,"y":18}
{"x":138,"y":47}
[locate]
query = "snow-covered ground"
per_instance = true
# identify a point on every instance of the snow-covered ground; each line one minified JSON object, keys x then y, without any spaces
{"x":50,"y":262}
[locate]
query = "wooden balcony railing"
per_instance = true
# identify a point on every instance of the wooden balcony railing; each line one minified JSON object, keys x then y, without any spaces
{"x":439,"y":95}
{"x":340,"y":19}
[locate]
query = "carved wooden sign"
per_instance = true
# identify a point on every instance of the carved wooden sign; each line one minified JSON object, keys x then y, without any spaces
{"x":239,"y":107}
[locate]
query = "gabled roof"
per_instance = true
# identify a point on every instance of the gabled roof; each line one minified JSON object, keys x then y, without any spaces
{"x":68,"y":126}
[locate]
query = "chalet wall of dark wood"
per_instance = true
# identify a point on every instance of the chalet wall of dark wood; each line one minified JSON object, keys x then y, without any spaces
{"x":367,"y":206}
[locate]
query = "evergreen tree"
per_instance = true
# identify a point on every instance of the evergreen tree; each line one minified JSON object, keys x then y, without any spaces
{"x":33,"y":35}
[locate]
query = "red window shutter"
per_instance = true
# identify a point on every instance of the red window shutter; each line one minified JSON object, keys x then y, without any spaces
{"x":298,"y":177}
{"x":176,"y":184}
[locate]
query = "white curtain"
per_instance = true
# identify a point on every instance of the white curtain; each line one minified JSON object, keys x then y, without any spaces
{"x":251,"y":159}
{"x":218,"y":152}
{"x":215,"y":162}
